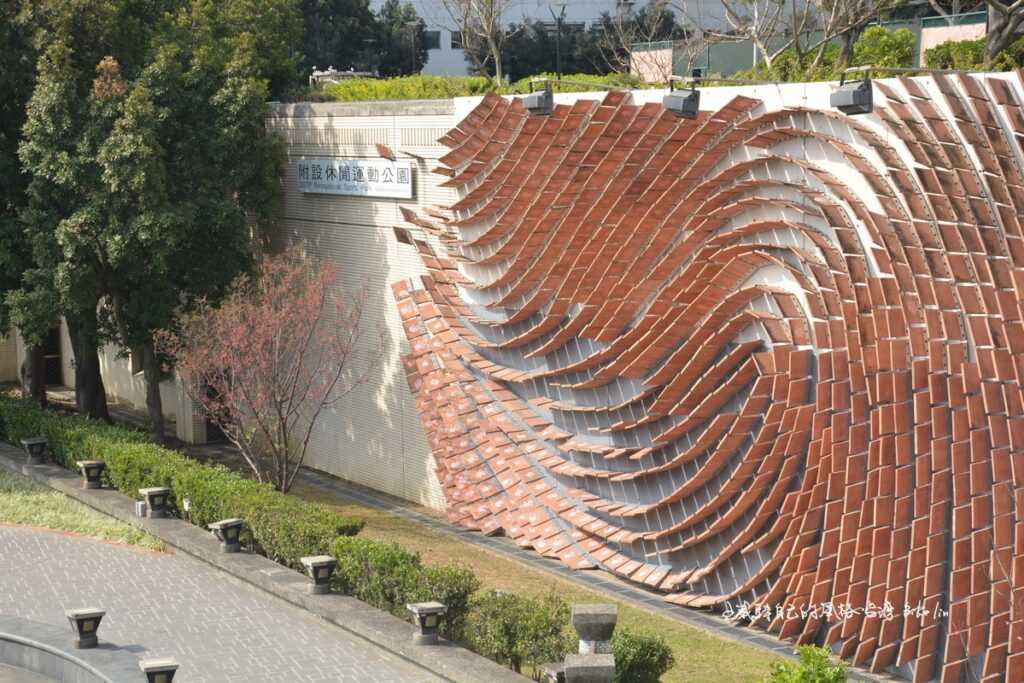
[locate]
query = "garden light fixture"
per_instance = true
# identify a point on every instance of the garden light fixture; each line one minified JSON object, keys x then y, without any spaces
{"x":320,"y":568}
{"x":85,"y":622}
{"x":427,"y":616}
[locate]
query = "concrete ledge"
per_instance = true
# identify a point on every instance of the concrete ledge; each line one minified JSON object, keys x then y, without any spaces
{"x":278,"y":110}
{"x":445,"y":659}
{"x":43,"y":649}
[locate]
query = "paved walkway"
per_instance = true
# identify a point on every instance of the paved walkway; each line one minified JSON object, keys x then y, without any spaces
{"x":171,"y":605}
{"x":10,"y":675}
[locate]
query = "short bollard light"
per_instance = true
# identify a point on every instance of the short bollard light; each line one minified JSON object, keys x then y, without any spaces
{"x":35,"y":448}
{"x":85,"y":622}
{"x":159,"y":670}
{"x":92,"y":470}
{"x":428,"y":618}
{"x":156,"y":501}
{"x":320,"y":569}
{"x":227,"y":531}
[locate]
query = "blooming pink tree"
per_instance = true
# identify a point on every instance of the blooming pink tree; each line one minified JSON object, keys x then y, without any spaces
{"x":267,"y":361}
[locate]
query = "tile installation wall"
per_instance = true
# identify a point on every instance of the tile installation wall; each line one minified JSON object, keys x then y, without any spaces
{"x":767,"y":360}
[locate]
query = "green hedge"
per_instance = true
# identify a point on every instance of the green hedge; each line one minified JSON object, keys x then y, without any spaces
{"x":282,"y":527}
{"x":388,"y":576}
{"x":423,"y":87}
{"x":520,"y":631}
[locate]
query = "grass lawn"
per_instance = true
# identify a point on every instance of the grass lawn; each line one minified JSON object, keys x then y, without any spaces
{"x":24,"y":502}
{"x":701,"y":657}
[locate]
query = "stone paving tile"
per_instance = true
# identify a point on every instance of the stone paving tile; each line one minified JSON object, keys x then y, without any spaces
{"x":159,"y":604}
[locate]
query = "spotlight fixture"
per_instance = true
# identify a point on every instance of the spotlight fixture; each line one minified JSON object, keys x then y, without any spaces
{"x":853,"y":98}
{"x":683,"y":103}
{"x":540,"y":102}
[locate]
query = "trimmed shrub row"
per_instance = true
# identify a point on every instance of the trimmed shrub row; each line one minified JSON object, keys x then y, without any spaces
{"x":517,"y":631}
{"x":520,"y":632}
{"x":389,"y":577}
{"x":423,"y":87}
{"x":281,"y":527}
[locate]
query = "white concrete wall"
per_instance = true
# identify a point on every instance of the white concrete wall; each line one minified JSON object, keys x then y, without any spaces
{"x":374,"y":437}
{"x":8,"y":359}
{"x":130,"y":387}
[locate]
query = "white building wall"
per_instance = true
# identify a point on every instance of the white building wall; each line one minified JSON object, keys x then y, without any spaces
{"x":130,"y":387}
{"x":374,"y":436}
{"x":8,"y":359}
{"x":449,"y":61}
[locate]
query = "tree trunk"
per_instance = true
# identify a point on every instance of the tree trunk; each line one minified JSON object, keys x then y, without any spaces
{"x":90,"y":395}
{"x":846,"y":41}
{"x":1002,"y":29}
{"x":496,"y":56}
{"x":154,"y":402}
{"x":34,"y":375}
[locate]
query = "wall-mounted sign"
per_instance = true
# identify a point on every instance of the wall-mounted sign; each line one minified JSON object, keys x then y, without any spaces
{"x":355,"y":177}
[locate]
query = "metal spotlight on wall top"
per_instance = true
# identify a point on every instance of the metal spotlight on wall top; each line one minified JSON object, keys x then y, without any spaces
{"x":683,"y":103}
{"x":541,"y":102}
{"x":853,"y":98}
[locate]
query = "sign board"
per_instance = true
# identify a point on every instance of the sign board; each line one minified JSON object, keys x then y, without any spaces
{"x":355,"y":177}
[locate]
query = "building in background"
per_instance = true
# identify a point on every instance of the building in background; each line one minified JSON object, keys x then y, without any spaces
{"x":445,"y":56}
{"x":652,"y":61}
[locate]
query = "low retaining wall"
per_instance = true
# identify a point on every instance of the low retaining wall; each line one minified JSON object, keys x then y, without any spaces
{"x":381,"y":629}
{"x":40,"y":649}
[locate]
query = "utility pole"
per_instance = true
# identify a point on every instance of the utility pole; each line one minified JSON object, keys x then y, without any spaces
{"x":412,"y":26}
{"x":559,"y":18}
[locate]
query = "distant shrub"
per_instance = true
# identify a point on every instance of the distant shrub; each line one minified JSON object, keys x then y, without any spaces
{"x":419,"y":87}
{"x":424,"y":87}
{"x":878,"y":46}
{"x":815,"y":666}
{"x":281,"y":527}
{"x":584,"y":82}
{"x":640,"y":657}
{"x":520,"y":631}
{"x":969,"y":55}
{"x":956,"y":54}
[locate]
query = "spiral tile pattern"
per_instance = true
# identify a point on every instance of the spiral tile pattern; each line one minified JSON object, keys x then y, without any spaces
{"x":769,"y":357}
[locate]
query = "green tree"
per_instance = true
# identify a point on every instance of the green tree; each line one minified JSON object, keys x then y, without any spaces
{"x":17,"y":78}
{"x":878,"y":46}
{"x":65,"y":124}
{"x":531,"y":49}
{"x":401,"y":39}
{"x":141,"y":199}
{"x":338,"y":33}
